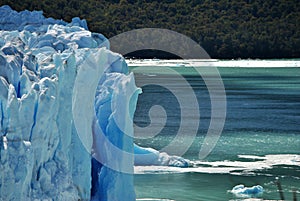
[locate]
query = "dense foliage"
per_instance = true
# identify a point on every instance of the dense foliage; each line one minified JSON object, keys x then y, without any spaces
{"x":224,"y":28}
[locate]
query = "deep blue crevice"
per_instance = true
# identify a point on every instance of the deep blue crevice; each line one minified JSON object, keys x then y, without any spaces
{"x":96,"y":168}
{"x":2,"y":113}
{"x":38,"y":175}
{"x":19,"y":84}
{"x":34,"y":119}
{"x":19,"y":90}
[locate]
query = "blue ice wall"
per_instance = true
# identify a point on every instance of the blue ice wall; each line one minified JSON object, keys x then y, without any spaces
{"x":48,"y":134}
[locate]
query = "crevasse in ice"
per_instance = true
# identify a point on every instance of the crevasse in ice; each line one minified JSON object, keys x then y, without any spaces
{"x":42,"y":153}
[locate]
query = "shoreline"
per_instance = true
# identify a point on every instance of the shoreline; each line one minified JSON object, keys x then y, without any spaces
{"x":187,"y":63}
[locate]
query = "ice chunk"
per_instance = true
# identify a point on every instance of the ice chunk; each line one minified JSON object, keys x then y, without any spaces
{"x":148,"y":156}
{"x":247,"y":192}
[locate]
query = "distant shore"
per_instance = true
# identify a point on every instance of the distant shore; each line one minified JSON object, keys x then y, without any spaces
{"x":245,"y":63}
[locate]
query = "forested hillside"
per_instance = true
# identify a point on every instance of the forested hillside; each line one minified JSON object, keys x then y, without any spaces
{"x":224,"y":28}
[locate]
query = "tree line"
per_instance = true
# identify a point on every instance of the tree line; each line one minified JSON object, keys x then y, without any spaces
{"x":224,"y":28}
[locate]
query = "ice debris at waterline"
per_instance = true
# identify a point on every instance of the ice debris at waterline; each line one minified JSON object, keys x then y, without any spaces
{"x":41,"y":154}
{"x":148,"y":156}
{"x":247,"y":192}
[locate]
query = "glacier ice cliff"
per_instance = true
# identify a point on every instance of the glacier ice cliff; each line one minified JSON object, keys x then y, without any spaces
{"x":66,"y":113}
{"x":49,"y":142}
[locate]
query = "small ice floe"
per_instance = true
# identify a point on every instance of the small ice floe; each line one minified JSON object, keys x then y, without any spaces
{"x":247,"y":192}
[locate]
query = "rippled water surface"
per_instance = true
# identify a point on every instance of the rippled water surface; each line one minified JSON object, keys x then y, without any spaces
{"x":259,"y":144}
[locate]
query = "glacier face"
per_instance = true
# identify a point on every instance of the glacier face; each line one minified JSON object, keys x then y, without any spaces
{"x":49,"y":138}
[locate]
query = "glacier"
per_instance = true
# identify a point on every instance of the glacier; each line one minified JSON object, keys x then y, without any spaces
{"x":66,"y":113}
{"x":44,"y":65}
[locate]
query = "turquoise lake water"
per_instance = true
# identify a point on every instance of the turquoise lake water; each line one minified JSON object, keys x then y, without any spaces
{"x":259,"y":144}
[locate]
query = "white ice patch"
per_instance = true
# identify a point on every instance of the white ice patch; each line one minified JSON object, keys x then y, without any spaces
{"x":229,"y":167}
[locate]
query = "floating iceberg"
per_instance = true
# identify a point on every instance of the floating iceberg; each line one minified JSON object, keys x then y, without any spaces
{"x":247,"y":192}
